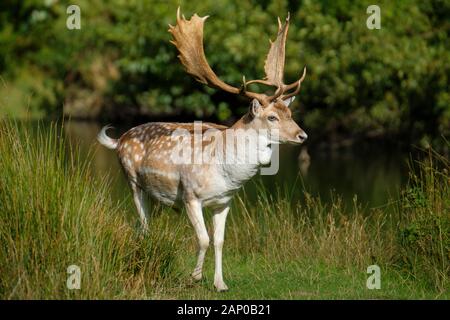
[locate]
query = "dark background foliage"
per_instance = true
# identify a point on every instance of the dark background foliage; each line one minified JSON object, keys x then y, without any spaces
{"x":390,"y":83}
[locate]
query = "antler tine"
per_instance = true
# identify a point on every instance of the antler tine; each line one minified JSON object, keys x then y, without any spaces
{"x":261,"y":97}
{"x":277,"y":93}
{"x":296,"y":85}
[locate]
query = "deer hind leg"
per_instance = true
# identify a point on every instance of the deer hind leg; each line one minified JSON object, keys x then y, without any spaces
{"x":194,"y":211}
{"x":219,"y":219}
{"x":139,"y":201}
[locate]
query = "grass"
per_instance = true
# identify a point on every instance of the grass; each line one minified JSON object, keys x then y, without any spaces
{"x":54,"y":213}
{"x":257,"y":278}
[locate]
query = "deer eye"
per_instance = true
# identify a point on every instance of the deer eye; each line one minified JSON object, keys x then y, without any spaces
{"x":272,"y":118}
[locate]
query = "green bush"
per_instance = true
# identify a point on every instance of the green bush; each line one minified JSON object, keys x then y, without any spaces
{"x":424,"y":237}
{"x":392,"y":81}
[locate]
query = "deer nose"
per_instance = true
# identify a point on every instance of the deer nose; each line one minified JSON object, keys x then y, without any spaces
{"x":302,"y":136}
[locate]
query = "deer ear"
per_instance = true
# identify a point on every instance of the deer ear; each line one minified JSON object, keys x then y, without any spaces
{"x":255,"y":107}
{"x":288,"y":101}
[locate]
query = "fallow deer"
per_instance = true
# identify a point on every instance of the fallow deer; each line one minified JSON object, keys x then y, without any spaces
{"x":144,"y":151}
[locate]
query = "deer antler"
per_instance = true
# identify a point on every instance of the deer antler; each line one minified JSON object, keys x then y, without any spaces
{"x":188,"y":39}
{"x":274,"y":65}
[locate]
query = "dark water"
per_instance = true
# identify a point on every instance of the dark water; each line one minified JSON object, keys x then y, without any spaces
{"x":372,"y":173}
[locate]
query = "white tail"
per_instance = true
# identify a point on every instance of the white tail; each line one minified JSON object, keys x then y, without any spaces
{"x":103,"y":138}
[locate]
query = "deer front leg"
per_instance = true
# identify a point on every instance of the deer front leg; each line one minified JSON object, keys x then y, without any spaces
{"x":219,"y":219}
{"x":194,"y":211}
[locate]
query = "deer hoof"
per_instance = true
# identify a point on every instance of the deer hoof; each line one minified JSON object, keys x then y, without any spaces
{"x":197,"y":276}
{"x":221,"y":287}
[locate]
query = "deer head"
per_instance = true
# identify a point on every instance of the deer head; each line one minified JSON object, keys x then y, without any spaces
{"x":266,"y":111}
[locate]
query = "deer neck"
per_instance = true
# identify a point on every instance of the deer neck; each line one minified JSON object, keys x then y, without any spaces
{"x":250,"y":150}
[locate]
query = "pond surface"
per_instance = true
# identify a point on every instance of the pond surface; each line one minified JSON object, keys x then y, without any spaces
{"x":373,"y":173}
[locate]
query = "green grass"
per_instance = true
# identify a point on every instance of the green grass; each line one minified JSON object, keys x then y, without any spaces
{"x":257,"y":278}
{"x":55,"y":213}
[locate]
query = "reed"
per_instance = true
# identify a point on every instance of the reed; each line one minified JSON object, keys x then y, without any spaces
{"x":55,"y":214}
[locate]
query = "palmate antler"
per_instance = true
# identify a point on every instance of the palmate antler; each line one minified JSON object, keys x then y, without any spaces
{"x":274,"y":65}
{"x":188,"y":39}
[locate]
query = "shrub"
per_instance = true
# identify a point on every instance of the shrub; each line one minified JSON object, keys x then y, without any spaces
{"x":424,"y":236}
